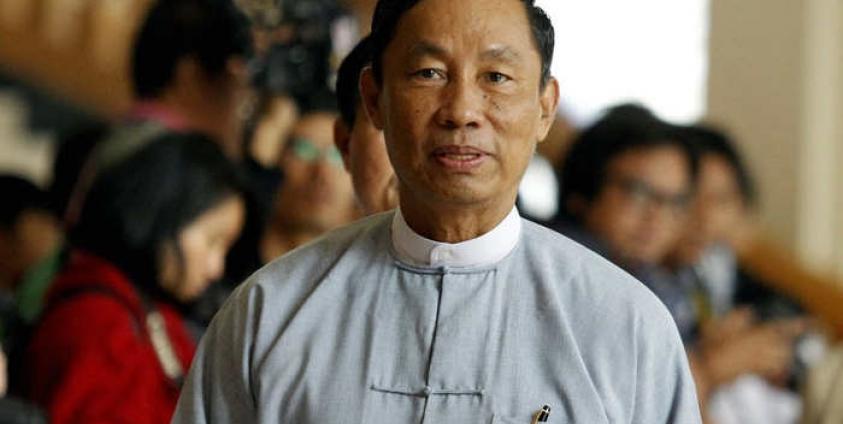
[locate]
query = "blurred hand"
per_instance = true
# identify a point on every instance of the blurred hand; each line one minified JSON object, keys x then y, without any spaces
{"x":272,"y":131}
{"x":717,"y":331}
{"x":765,"y":349}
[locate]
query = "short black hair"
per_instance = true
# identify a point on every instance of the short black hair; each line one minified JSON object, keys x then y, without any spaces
{"x":348,"y":80}
{"x":389,"y":12}
{"x":320,"y":100}
{"x":19,"y":195}
{"x":708,"y":140}
{"x":141,"y":203}
{"x":209,"y":31}
{"x":583,"y":171}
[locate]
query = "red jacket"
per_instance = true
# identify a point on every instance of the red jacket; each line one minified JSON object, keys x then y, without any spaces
{"x":91,"y":360}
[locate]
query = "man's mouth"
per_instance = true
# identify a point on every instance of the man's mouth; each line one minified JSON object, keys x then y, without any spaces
{"x":459,"y":158}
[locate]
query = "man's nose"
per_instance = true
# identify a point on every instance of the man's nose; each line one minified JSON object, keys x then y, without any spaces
{"x":462,"y":105}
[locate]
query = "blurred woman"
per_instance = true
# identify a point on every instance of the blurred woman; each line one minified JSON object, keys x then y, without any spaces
{"x":112,"y":345}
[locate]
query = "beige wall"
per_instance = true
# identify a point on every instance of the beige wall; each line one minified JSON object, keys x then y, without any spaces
{"x":775,"y":80}
{"x":820,"y":221}
{"x":754,"y":91}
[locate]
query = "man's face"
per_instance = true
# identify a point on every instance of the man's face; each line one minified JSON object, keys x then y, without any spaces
{"x":375,"y":183}
{"x":717,"y":211}
{"x":316,"y":194}
{"x":34,"y":236}
{"x":641,"y":208}
{"x":460,"y":103}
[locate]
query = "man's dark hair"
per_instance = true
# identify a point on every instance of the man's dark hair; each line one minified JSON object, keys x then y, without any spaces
{"x":623,"y":128}
{"x":140,"y":204}
{"x":389,"y":12}
{"x":708,"y":140}
{"x":320,"y":100}
{"x":348,"y":77}
{"x":209,"y":31}
{"x":18,"y":196}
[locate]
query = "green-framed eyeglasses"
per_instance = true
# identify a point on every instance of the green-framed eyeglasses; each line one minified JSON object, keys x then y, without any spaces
{"x":307,"y":151}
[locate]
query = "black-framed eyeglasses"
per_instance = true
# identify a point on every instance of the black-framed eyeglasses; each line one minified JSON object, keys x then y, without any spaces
{"x":643,"y":194}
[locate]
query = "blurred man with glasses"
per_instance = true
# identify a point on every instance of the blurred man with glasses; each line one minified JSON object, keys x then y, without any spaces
{"x":626,"y":186}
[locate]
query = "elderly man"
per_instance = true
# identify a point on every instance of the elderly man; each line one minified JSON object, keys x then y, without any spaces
{"x":452,"y":309}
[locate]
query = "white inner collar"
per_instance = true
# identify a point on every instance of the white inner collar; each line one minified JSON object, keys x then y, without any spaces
{"x":484,"y":250}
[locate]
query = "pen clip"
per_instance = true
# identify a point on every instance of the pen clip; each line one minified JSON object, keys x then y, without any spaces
{"x":542,"y":415}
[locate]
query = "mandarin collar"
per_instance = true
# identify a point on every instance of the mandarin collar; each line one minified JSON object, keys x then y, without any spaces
{"x":487,"y":249}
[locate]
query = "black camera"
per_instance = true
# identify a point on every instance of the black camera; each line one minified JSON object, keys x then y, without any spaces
{"x":298,"y":60}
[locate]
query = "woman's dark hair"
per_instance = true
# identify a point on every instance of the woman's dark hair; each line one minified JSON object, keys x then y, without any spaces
{"x":142,"y":203}
{"x":389,"y":12}
{"x":210,"y":31}
{"x":582,"y":173}
{"x":708,"y":140}
{"x":72,"y":157}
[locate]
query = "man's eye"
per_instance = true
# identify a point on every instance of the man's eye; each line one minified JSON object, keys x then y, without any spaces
{"x":428,"y":73}
{"x":497,"y":77}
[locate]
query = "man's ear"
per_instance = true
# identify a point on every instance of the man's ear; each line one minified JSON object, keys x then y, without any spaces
{"x":342,"y":139}
{"x":370,"y":94}
{"x":549,"y":102}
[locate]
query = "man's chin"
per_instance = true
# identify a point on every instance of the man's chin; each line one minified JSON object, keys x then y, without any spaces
{"x":465,"y":198}
{"x":468,"y":190}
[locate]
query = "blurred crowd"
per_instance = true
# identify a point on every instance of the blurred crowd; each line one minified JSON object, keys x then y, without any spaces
{"x":248,"y":138}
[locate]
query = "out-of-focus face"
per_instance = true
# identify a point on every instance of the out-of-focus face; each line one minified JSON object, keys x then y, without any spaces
{"x":718,"y":209}
{"x":38,"y":234}
{"x":640,"y":211}
{"x":317,"y":194}
{"x":460,"y":103}
{"x":366,"y":159}
{"x":204,"y":244}
{"x":35,"y":235}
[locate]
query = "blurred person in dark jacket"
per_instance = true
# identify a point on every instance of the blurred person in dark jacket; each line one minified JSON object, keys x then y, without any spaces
{"x":112,"y":345}
{"x":747,"y":328}
{"x":29,"y":238}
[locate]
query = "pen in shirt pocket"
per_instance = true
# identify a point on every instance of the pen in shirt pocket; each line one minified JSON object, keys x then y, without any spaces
{"x":542,"y":415}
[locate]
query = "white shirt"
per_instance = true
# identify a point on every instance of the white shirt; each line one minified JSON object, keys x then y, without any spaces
{"x":484,"y":250}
